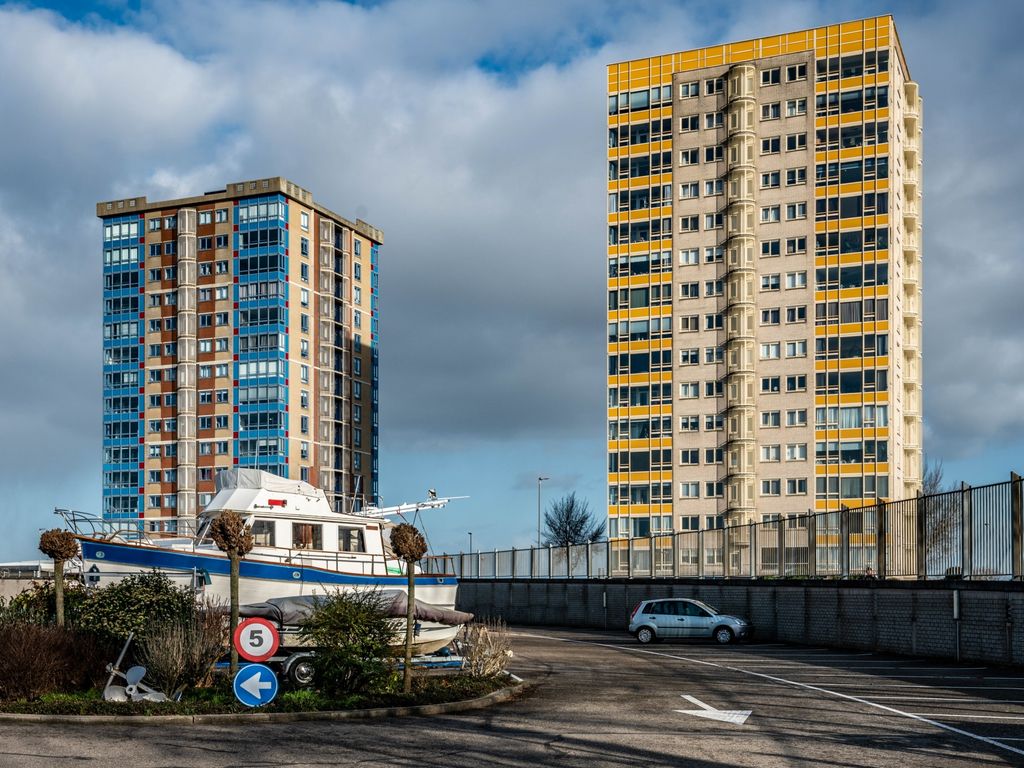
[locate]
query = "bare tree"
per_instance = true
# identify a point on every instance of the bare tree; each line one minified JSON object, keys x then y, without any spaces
{"x":232,"y":536}
{"x":932,"y":477}
{"x":570,"y":521}
{"x":942,"y":518}
{"x":61,"y":546}
{"x":410,"y":546}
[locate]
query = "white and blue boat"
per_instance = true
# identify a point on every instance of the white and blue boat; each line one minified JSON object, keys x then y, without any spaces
{"x":301,"y":547}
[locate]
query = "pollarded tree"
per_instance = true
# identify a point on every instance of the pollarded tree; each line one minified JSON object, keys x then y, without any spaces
{"x":410,"y":546}
{"x":232,"y":536}
{"x":60,"y":546}
{"x":570,"y":521}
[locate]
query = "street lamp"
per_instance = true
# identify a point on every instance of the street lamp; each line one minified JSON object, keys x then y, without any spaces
{"x":539,"y":481}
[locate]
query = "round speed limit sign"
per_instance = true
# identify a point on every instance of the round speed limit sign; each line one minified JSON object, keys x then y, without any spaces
{"x":256,"y":639}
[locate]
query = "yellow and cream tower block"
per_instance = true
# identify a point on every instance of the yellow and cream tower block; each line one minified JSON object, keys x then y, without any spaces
{"x":764,"y":280}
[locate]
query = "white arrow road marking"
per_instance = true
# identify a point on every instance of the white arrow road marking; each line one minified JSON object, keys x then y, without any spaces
{"x":737,"y":716}
{"x":254,"y":685}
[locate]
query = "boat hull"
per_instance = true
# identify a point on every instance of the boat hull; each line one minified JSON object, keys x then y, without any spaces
{"x":105,"y":562}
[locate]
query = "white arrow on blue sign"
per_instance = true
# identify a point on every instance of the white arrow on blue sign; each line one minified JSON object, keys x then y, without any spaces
{"x":255,"y":685}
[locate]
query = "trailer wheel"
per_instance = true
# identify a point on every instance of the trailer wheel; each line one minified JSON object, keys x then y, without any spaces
{"x":299,"y":670}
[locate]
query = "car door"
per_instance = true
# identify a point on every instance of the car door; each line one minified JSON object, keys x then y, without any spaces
{"x":699,"y":622}
{"x":663,"y":615}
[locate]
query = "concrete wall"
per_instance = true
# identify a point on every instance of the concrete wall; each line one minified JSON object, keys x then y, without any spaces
{"x":914,"y":618}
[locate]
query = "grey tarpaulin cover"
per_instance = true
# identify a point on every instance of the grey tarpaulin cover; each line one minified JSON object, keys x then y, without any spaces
{"x":294,"y":610}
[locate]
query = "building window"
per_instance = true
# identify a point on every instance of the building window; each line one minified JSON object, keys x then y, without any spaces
{"x":796,"y":176}
{"x":304,"y":221}
{"x":689,"y":90}
{"x":796,"y":141}
{"x":771,"y":452}
{"x":770,"y":76}
{"x":796,"y":418}
{"x":796,"y":486}
{"x":796,"y":107}
{"x":771,"y":487}
{"x":689,"y":490}
{"x":796,"y":72}
{"x":771,"y":145}
{"x":771,"y":111}
{"x":770,"y":214}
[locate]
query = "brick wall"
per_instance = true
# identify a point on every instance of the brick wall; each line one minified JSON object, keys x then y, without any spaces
{"x":914,"y":618}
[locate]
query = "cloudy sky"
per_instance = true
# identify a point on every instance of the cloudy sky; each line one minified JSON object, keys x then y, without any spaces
{"x":473,"y":134}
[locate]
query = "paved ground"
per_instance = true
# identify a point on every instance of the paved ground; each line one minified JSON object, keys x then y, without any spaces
{"x":603,"y":700}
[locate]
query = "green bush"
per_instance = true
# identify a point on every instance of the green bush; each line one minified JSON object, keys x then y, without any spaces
{"x":38,"y":603}
{"x":140,"y":603}
{"x":352,"y":635}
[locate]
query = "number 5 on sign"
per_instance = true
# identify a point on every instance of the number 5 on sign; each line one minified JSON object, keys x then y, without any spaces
{"x":256,"y":639}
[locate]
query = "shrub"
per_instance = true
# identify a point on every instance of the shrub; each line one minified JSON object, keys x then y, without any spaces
{"x":488,"y":648}
{"x":181,"y":655}
{"x":352,"y":635}
{"x":139,"y":603}
{"x":39,"y":659}
{"x":38,"y":603}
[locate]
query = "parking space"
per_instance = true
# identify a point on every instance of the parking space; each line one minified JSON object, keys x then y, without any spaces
{"x":818,"y":703}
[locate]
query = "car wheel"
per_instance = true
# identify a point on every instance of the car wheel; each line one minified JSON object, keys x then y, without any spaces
{"x":645,"y":635}
{"x":723,"y":635}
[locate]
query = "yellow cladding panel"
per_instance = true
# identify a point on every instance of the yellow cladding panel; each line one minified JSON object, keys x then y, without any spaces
{"x":848,"y":36}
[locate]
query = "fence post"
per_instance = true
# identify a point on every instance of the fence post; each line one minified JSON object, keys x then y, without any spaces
{"x":650,"y":552}
{"x":753,"y":551}
{"x":629,"y":558}
{"x":881,"y":548}
{"x":1017,"y":524}
{"x":812,"y":544}
{"x":534,"y":564}
{"x":780,"y":545}
{"x":844,"y":541}
{"x":700,"y":554}
{"x":922,"y":536}
{"x":675,"y":554}
{"x":512,"y":567}
{"x":966,"y":532}
{"x":588,"y":559}
{"x":725,"y":552}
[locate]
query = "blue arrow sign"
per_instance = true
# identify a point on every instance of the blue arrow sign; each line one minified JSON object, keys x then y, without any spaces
{"x":255,"y":685}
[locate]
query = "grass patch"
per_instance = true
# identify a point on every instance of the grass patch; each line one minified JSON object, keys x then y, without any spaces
{"x":220,"y":699}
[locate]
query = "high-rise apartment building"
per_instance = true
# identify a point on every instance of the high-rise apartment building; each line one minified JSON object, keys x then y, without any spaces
{"x":240,"y":329}
{"x":764,"y":280}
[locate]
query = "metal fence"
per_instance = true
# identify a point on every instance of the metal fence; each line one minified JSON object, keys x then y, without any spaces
{"x":969,"y":533}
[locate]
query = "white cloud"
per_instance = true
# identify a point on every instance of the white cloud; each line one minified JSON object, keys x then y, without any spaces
{"x":473,"y":134}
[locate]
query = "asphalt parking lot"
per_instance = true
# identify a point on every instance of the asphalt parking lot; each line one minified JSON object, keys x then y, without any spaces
{"x":601,"y":699}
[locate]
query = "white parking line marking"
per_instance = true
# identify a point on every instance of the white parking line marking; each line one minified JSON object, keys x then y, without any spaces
{"x":838,"y":694}
{"x":958,"y":699}
{"x":958,"y":715}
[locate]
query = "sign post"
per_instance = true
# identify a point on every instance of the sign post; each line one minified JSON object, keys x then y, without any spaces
{"x":256,"y":640}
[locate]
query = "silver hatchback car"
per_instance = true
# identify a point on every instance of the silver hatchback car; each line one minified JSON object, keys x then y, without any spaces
{"x":654,"y":620}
